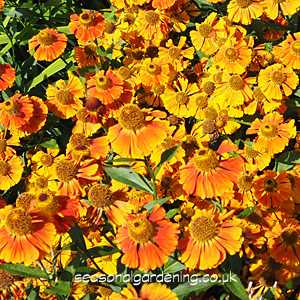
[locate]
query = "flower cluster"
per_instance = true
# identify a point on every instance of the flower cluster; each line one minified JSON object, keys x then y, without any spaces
{"x":160,"y":135}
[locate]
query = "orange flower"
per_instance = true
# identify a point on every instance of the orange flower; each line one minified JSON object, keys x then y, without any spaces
{"x":209,"y":174}
{"x":63,"y":98}
{"x":16,"y":112}
{"x":210,"y":237}
{"x":7,"y":76}
{"x":86,"y":56}
{"x":274,"y":190}
{"x":24,"y":237}
{"x":151,"y":291}
{"x":87,"y":26}
{"x":284,"y":242}
{"x":276,"y":81}
{"x":109,"y":88}
{"x":143,"y":240}
{"x":163,"y":4}
{"x":137,"y":133}
{"x":274,"y":8}
{"x":288,"y":52}
{"x":273,"y":133}
{"x":48,"y":44}
{"x":11,"y":170}
{"x":2,"y":4}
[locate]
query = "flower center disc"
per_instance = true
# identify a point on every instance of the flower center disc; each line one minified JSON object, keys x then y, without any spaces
{"x":268,"y":130}
{"x":41,"y":182}
{"x":24,"y":200}
{"x":151,"y":17}
{"x":3,"y":145}
{"x":131,"y":117}
{"x":270,"y":185}
{"x":140,"y":230}
{"x":86,"y":18}
{"x":290,"y":237}
{"x":46,"y":160}
{"x":153,"y":69}
{"x":48,"y":203}
{"x":182,"y":98}
{"x":202,"y":229}
{"x":9,"y":105}
{"x":64,"y":97}
{"x":244,"y":3}
{"x":66,"y":170}
{"x":100,"y":195}
{"x":279,"y":77}
{"x":206,"y":160}
{"x":296,"y":47}
{"x":174,"y":52}
{"x":102,"y":82}
{"x":209,"y":87}
{"x":79,"y":141}
{"x":205,"y":30}
{"x":231,"y":54}
{"x":6,"y":279}
{"x":19,"y":222}
{"x":4,"y":168}
{"x":46,"y":38}
{"x":236,"y":82}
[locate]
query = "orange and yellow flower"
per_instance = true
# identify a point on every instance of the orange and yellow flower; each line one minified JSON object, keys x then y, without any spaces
{"x":142,"y":240}
{"x":48,"y":44}
{"x":86,"y":55}
{"x":7,"y":76}
{"x":274,"y":8}
{"x":11,"y":170}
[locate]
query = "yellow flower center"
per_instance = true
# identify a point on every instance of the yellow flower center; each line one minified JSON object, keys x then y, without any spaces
{"x":6,"y":279}
{"x":202,"y":101}
{"x":236,"y":82}
{"x":278,"y":77}
{"x":102,"y":82}
{"x":86,"y":18}
{"x":208,"y":126}
{"x":47,"y":203}
{"x":270,"y":185}
{"x":151,"y":17}
{"x":41,"y":182}
{"x":153,"y":69}
{"x":64,"y":97}
{"x":110,"y":27}
{"x":245,"y":183}
{"x":209,"y":87}
{"x":4,"y":168}
{"x":9,"y":105}
{"x":100,"y":195}
{"x":251,"y":153}
{"x":3,"y":145}
{"x":24,"y":201}
{"x":182,"y":98}
{"x":206,"y":160}
{"x":290,"y":237}
{"x":19,"y":222}
{"x":141,"y":230}
{"x":174,"y":52}
{"x":46,"y":160}
{"x":244,"y":3}
{"x":132,"y":117}
{"x":66,"y":170}
{"x":202,"y":229}
{"x":79,"y":141}
{"x":269,"y":130}
{"x":46,"y":38}
{"x":231,"y":54}
{"x":204,"y":30}
{"x":124,"y":72}
{"x":296,"y":47}
{"x":105,"y":292}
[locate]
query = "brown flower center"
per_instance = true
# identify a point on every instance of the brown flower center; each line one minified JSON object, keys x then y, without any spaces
{"x":132,"y":117}
{"x":209,"y":87}
{"x":100,"y":195}
{"x":46,"y":160}
{"x":296,"y":47}
{"x":206,"y":160}
{"x":174,"y":52}
{"x":251,"y":153}
{"x":245,"y":183}
{"x":86,"y":18}
{"x":290,"y":237}
{"x":46,"y":38}
{"x":3,"y":145}
{"x":278,"y":77}
{"x":66,"y":170}
{"x":202,"y":229}
{"x":41,"y":182}
{"x":140,"y":230}
{"x":64,"y":97}
{"x":268,"y":130}
{"x":182,"y":98}
{"x":151,"y":17}
{"x":153,"y":69}
{"x":202,"y":101}
{"x":102,"y":82}
{"x":244,"y":3}
{"x":231,"y":54}
{"x":236,"y":82}
{"x":6,"y":279}
{"x":4,"y":168}
{"x":270,"y":185}
{"x":19,"y":222}
{"x":204,"y":30}
{"x":24,"y":201}
{"x":79,"y":141}
{"x":9,"y":106}
{"x":124,"y":72}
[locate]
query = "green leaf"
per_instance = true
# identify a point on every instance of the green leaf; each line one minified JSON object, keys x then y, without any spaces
{"x":235,"y":287}
{"x":64,"y":29}
{"x":247,"y":212}
{"x":23,"y":271}
{"x":131,"y":178}
{"x":172,"y":212}
{"x":286,"y":161}
{"x":166,"y":156}
{"x":149,"y":206}
{"x":61,"y":288}
{"x":173,"y":266}
{"x":185,"y":289}
{"x":33,"y":294}
{"x":101,"y":251}
{"x":77,"y":237}
{"x":55,"y":67}
{"x":50,"y":144}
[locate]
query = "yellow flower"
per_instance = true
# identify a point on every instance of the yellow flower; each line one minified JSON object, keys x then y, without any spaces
{"x":273,"y":8}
